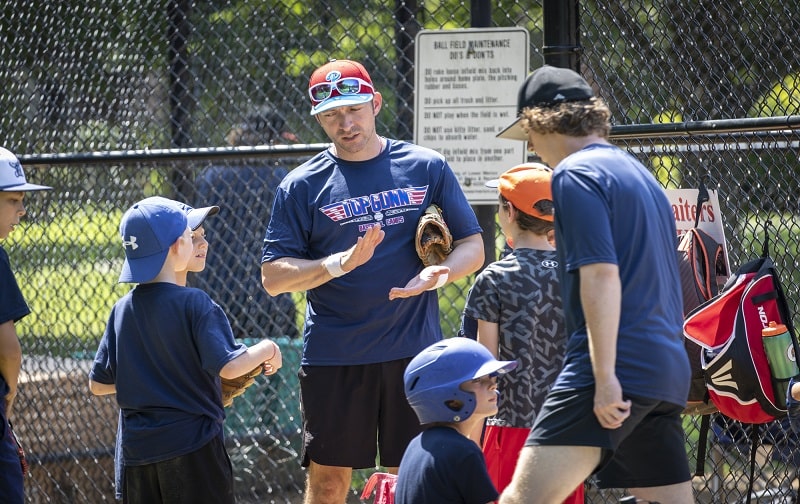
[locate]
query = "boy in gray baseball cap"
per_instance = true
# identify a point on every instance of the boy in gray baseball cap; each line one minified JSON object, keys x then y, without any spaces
{"x":13,"y":186}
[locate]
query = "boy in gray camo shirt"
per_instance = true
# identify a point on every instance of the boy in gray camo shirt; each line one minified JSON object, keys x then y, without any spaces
{"x":517,"y":304}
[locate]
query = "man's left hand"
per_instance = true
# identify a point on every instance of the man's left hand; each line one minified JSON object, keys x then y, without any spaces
{"x":425,"y":280}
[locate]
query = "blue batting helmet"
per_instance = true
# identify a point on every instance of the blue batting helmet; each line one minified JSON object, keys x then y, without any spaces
{"x":433,"y":378}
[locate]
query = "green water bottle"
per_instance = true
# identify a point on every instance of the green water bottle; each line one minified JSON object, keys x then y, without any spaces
{"x":780,"y":355}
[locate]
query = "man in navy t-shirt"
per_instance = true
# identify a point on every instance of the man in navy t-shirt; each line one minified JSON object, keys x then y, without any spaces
{"x":615,"y":408}
{"x":342,"y":230}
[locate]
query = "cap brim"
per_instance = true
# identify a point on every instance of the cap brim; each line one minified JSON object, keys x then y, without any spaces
{"x":514,"y":132}
{"x":196,"y":216}
{"x":142,"y":269}
{"x":494,"y":183}
{"x":26,"y":187}
{"x":495,"y":367}
{"x":341,"y":101}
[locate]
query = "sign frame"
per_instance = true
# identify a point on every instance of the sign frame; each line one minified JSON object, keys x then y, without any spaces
{"x":466,"y":87}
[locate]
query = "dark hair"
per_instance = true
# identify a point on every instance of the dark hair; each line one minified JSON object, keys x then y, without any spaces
{"x":261,"y":126}
{"x":530,"y":223}
{"x":577,"y":119}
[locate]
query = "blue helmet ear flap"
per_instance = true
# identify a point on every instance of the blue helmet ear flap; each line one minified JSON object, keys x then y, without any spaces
{"x":447,"y":403}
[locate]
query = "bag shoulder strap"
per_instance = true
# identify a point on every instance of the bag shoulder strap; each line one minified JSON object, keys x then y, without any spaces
{"x":702,"y":197}
{"x":704,"y":256}
{"x":702,"y":446}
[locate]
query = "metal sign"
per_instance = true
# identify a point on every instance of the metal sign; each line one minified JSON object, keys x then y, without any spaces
{"x":466,"y":87}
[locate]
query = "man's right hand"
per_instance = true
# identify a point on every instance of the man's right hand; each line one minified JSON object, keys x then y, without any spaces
{"x":609,"y":408}
{"x":364,"y":248}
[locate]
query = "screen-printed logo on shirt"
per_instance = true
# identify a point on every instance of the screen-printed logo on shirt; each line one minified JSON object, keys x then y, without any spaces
{"x":376,"y":206}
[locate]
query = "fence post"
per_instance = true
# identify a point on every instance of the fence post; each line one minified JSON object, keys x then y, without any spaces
{"x":560,"y":24}
{"x":481,"y":17}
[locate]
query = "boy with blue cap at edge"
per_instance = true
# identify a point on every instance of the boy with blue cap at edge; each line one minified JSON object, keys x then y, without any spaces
{"x":163,"y":352}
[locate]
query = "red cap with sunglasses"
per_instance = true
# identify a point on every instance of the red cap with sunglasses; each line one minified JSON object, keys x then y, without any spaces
{"x":339,"y":83}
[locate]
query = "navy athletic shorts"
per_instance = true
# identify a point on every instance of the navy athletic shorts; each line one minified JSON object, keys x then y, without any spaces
{"x":648,"y":450}
{"x":350,"y":413}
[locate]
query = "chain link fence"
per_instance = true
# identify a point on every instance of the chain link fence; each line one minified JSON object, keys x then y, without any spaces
{"x":102,"y":99}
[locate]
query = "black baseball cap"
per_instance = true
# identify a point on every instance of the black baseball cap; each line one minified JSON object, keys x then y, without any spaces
{"x":545,"y":87}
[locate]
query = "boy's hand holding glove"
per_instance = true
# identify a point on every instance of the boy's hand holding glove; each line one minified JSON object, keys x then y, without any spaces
{"x":234,"y":387}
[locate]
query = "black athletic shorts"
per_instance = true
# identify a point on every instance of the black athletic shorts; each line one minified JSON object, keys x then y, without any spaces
{"x":648,"y":450}
{"x":204,"y":475}
{"x":350,"y":413}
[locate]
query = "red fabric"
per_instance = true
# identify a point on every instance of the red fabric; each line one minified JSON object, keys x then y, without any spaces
{"x":501,"y":448}
{"x":383,"y":484}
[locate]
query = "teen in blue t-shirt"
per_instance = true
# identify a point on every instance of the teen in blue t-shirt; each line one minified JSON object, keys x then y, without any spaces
{"x":615,"y":408}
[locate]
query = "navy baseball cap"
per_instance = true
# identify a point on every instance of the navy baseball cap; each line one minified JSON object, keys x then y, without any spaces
{"x":546,"y":86}
{"x":12,"y":177}
{"x":148,"y":229}
{"x":196,"y":216}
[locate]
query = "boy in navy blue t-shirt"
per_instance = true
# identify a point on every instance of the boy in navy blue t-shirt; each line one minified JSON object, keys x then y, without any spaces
{"x":163,"y":352}
{"x":13,"y":308}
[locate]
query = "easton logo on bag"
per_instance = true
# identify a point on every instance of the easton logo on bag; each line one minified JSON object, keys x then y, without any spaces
{"x":728,"y":328}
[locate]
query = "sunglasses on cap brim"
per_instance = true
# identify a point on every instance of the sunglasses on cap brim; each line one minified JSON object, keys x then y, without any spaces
{"x":347,"y":86}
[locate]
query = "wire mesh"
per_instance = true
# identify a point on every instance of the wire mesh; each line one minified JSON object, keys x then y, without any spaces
{"x":124,"y":76}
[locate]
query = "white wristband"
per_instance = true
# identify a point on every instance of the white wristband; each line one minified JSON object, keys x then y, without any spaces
{"x":333,"y":263}
{"x":441,"y":280}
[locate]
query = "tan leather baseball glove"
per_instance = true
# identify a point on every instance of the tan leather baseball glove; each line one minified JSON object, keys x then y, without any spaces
{"x":433,"y":241}
{"x":235,"y":387}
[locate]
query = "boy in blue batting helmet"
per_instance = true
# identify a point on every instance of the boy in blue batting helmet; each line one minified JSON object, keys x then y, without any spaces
{"x":452,"y":387}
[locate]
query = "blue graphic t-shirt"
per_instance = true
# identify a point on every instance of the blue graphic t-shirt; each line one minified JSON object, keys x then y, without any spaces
{"x":323,"y":206}
{"x":610,"y":209}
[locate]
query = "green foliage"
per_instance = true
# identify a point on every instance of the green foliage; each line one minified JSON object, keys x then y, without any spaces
{"x":782,"y":233}
{"x":667,"y":169}
{"x":782,"y":99}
